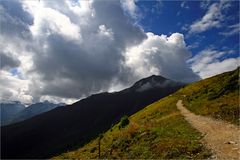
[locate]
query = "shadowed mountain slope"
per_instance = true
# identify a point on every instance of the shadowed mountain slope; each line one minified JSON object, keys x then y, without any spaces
{"x":71,"y":126}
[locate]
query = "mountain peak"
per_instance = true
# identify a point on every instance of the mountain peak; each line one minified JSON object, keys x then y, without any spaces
{"x":150,"y":79}
{"x":153,"y":81}
{"x":93,"y":114}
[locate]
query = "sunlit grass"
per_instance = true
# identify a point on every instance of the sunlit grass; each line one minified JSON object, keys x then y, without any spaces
{"x":217,"y":97}
{"x":160,"y":131}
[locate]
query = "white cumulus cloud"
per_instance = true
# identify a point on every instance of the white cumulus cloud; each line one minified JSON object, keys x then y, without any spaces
{"x":161,"y":55}
{"x":48,"y":21}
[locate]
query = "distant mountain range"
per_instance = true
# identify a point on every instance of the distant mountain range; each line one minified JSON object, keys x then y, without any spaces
{"x":15,"y":111}
{"x":71,"y":126}
{"x":9,"y":110}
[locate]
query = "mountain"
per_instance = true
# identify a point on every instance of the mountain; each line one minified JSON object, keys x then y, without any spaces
{"x":9,"y":110}
{"x":15,"y":112}
{"x":34,"y":110}
{"x":153,"y":82}
{"x":71,"y":126}
{"x":159,"y":131}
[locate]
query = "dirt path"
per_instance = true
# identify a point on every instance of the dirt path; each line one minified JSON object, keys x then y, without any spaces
{"x":221,"y":137}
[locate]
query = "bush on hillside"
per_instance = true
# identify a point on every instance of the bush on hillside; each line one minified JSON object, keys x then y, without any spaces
{"x":123,"y":122}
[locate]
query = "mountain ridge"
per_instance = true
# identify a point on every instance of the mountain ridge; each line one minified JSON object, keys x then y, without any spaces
{"x":73,"y":125}
{"x":160,"y":131}
{"x":9,"y":110}
{"x":35,"y":109}
{"x":24,"y":112}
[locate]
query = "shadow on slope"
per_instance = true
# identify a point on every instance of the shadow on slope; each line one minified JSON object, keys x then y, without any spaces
{"x":69,"y":127}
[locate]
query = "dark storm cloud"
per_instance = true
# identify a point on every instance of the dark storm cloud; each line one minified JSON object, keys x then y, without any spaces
{"x":7,"y":61}
{"x":74,"y":69}
{"x":14,"y":19}
{"x":67,"y":66}
{"x":14,"y":35}
{"x":76,"y":50}
{"x":112,"y":15}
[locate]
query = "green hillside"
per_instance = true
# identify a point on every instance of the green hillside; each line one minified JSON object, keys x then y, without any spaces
{"x":160,"y":131}
{"x":217,"y":97}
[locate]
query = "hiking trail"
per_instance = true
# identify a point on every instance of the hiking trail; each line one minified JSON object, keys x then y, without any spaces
{"x":219,"y":136}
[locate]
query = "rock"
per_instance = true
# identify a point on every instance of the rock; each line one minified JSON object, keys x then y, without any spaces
{"x":230,"y":142}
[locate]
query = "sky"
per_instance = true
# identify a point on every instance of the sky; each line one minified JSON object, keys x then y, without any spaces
{"x":65,"y":50}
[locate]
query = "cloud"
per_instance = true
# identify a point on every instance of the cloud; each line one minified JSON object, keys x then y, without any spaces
{"x":193,"y":45}
{"x":157,"y":7}
{"x":211,"y":62}
{"x":48,"y":21}
{"x":205,"y":4}
{"x":7,"y":61}
{"x":71,"y":49}
{"x":13,"y":89}
{"x":184,"y":5}
{"x":73,"y":69}
{"x":161,"y":55}
{"x":130,"y":7}
{"x":232,"y":30}
{"x":212,"y":19}
{"x":14,"y":19}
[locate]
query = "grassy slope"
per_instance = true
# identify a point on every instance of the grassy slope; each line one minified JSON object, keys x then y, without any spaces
{"x":217,"y":97}
{"x":159,"y":131}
